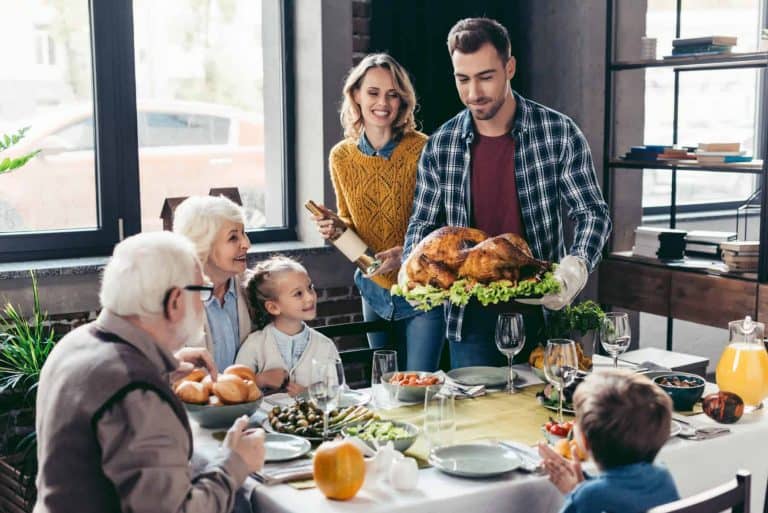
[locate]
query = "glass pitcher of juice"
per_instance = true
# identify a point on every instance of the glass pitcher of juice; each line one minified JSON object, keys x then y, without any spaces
{"x":743,"y":366}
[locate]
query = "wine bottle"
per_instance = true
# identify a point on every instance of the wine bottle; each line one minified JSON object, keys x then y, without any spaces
{"x":346,"y":240}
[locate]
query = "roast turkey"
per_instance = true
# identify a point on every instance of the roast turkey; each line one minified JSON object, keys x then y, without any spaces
{"x":452,"y":253}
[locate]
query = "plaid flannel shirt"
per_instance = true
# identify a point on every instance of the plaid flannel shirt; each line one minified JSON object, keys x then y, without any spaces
{"x":552,"y":163}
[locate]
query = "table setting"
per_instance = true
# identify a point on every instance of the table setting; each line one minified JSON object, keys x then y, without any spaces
{"x":470,"y":437}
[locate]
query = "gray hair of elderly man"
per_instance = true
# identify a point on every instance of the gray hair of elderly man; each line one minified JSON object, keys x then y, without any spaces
{"x":200,"y":218}
{"x":142,"y":270}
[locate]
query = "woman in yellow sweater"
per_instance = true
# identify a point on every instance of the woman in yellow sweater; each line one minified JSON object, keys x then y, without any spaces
{"x":374,"y":175}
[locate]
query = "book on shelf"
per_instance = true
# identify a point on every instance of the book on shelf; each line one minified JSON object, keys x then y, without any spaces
{"x":719,"y":146}
{"x":682,"y":55}
{"x":730,"y":254}
{"x":710,"y":236}
{"x":701,"y":153}
{"x":706,"y":40}
{"x":702,"y":248}
{"x":740,"y":259}
{"x":739,"y":246}
{"x":695,"y":49}
{"x":706,"y":160}
{"x":740,"y":268}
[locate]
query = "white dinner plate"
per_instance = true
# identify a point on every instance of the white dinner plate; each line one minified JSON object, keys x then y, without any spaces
{"x":475,"y":460}
{"x":529,"y":301}
{"x":284,"y":447}
{"x":473,"y":376}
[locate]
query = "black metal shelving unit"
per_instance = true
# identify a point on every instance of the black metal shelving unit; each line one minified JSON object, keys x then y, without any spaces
{"x":677,"y":65}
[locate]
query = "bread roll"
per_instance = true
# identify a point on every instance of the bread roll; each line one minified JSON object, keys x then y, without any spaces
{"x":195,"y":375}
{"x":242,"y":371}
{"x":208,"y":383}
{"x":192,"y":392}
{"x":230,"y":389}
{"x":214,"y":401}
{"x":253,"y":391}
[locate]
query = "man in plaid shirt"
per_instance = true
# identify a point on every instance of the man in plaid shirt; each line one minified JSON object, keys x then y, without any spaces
{"x":505,"y":164}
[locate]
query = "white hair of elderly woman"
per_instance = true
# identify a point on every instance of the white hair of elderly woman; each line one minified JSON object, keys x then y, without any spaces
{"x":200,"y":218}
{"x":143,"y":268}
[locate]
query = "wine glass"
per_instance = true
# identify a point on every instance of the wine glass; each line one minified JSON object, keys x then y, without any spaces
{"x":324,"y":389}
{"x":560,"y":366}
{"x":439,"y":417}
{"x":510,"y":339}
{"x":615,"y":334}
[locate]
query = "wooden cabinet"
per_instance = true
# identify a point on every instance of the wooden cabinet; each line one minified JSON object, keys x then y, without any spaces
{"x":681,"y":294}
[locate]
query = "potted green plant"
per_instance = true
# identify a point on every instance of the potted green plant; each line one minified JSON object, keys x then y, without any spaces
{"x":25,"y":344}
{"x":578,"y":322}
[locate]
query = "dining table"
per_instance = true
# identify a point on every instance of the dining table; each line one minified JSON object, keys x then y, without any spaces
{"x":499,"y":417}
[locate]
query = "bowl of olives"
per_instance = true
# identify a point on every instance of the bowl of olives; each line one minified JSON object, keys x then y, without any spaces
{"x":305,"y":420}
{"x":682,"y":387}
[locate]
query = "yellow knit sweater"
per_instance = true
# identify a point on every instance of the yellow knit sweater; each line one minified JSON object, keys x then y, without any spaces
{"x":375,"y":195}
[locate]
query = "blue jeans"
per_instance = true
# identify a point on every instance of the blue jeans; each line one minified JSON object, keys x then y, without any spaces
{"x":478,"y":345}
{"x":418,"y":340}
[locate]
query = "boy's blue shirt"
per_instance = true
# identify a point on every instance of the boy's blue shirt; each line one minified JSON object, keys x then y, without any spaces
{"x":627,"y":489}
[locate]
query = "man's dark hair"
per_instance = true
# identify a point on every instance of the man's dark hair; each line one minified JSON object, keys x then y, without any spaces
{"x":469,"y":34}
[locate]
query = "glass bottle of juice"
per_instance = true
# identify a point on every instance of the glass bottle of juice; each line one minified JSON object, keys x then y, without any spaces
{"x":743,"y":366}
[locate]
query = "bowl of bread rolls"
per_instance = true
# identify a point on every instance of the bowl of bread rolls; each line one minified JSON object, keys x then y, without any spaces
{"x":219,"y":403}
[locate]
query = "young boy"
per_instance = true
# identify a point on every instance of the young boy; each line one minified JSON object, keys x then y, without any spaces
{"x":622,"y":420}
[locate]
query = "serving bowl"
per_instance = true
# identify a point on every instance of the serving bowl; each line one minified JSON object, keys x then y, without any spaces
{"x":210,"y":416}
{"x":683,"y":396}
{"x":409,"y":393}
{"x":400,"y":443}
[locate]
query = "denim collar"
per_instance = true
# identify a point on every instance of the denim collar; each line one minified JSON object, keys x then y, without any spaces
{"x":385,"y":152}
{"x":520,"y":124}
{"x":229,"y":294}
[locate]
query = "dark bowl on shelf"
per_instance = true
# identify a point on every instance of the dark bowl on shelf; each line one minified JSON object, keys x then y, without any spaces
{"x":683,"y":396}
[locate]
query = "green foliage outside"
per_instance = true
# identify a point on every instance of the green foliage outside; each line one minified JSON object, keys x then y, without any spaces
{"x":6,"y":141}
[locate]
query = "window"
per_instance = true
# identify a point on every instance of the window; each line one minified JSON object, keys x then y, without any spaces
{"x":714,"y":106}
{"x":185,"y":115}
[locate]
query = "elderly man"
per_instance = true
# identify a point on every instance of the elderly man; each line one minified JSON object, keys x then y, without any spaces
{"x":112,"y":435}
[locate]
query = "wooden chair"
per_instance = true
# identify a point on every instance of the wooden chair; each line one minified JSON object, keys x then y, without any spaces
{"x":733,"y":495}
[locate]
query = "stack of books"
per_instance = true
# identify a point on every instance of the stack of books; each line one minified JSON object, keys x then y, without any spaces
{"x":661,"y":243}
{"x":673,"y":155}
{"x":708,"y":154}
{"x":740,"y":256}
{"x":646,"y":153}
{"x":706,"y":45}
{"x":706,"y":243}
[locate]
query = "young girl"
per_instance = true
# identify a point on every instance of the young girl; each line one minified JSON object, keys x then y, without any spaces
{"x":281,"y":298}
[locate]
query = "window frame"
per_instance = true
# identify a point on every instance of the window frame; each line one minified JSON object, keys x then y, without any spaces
{"x":116,"y":155}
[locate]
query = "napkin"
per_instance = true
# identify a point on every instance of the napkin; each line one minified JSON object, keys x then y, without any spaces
{"x":275,"y":473}
{"x":459,"y":391}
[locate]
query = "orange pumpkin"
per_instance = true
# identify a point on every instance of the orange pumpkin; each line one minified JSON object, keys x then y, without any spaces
{"x":339,"y":469}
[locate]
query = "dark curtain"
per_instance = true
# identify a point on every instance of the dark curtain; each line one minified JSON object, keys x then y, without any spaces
{"x":415,"y":32}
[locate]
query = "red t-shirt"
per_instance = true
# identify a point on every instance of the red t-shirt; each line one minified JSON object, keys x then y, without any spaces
{"x":495,"y":206}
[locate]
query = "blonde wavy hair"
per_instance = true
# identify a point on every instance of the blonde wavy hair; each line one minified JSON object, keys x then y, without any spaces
{"x":352,"y":118}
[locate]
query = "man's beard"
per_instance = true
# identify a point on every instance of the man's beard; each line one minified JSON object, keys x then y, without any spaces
{"x":490,"y":108}
{"x":190,"y":331}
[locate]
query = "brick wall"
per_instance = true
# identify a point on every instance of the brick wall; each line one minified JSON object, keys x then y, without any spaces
{"x":361,"y":25}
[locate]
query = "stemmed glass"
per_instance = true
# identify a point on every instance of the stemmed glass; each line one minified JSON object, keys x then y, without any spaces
{"x":615,"y":334}
{"x":560,"y":367}
{"x":325,"y":387}
{"x":510,"y":339}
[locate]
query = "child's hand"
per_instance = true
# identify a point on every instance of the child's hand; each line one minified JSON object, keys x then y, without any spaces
{"x":294,"y":389}
{"x":563,"y":473}
{"x":271,"y":379}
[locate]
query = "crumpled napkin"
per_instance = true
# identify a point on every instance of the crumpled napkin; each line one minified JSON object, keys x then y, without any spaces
{"x":459,"y":391}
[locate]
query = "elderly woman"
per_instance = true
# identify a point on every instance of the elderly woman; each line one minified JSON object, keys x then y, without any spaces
{"x":216,"y":226}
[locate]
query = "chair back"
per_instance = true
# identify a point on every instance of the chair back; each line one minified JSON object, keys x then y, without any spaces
{"x":733,"y":495}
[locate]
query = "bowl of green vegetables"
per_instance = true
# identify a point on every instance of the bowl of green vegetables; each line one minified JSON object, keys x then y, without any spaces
{"x":379,"y":432}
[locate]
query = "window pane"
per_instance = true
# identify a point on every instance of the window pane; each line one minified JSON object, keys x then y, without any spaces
{"x":714,"y":106}
{"x":199,"y":87}
{"x":45,"y":83}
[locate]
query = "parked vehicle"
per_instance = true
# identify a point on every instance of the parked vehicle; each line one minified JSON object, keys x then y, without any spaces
{"x":185,"y":148}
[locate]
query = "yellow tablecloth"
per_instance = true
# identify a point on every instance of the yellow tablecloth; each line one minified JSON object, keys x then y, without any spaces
{"x":497,"y":416}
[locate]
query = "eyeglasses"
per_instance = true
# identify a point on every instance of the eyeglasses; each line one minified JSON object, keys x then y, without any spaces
{"x":206,"y":291}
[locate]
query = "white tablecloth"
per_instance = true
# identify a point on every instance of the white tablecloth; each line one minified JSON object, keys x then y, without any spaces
{"x":695,"y":465}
